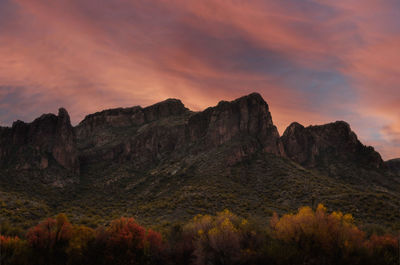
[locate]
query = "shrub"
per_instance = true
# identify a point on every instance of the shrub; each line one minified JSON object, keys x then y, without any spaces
{"x":331,"y":238}
{"x":13,"y":250}
{"x":126,"y":242}
{"x":221,"y":239}
{"x":49,"y":240}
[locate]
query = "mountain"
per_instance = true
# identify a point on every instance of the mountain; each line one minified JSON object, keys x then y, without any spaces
{"x":165,"y":163}
{"x":335,"y":150}
{"x":394,"y":166}
{"x":321,"y":145}
{"x":47,"y":145}
{"x":167,"y":130}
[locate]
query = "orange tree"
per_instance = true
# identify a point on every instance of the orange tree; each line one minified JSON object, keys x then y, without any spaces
{"x":13,"y":250}
{"x":49,"y":240}
{"x":126,"y":242}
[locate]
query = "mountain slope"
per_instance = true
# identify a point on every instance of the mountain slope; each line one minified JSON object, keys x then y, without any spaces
{"x":167,"y":163}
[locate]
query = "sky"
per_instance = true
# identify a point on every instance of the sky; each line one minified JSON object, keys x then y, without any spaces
{"x":314,"y":62}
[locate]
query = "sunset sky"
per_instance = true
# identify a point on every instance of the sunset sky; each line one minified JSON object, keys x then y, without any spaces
{"x":313,"y":61}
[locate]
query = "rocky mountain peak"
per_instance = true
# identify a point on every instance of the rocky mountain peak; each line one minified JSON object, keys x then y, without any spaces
{"x":47,"y":141}
{"x":64,"y":150}
{"x":63,"y":115}
{"x":133,"y":116}
{"x":170,"y":106}
{"x":248,"y":115}
{"x":294,"y":127}
{"x":166,"y":108}
{"x":323,"y":144}
{"x":168,"y":130}
{"x":253,"y":98}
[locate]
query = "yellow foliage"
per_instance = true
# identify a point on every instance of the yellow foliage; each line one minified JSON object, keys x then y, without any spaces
{"x":213,"y":231}
{"x":348,"y":219}
{"x":81,"y":236}
{"x":321,"y":209}
{"x":309,"y":227}
{"x":227,"y":225}
{"x":337,"y":215}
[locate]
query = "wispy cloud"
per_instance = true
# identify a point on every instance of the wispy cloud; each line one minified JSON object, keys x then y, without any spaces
{"x":313,"y":61}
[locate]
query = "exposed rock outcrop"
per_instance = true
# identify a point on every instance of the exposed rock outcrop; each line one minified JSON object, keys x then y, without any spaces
{"x":48,"y":140}
{"x":145,"y":137}
{"x":125,"y":117}
{"x":140,"y":135}
{"x":167,"y":162}
{"x":168,"y":129}
{"x":246,"y":116}
{"x":325,"y":144}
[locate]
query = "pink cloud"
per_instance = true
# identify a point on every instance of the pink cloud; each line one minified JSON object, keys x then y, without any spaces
{"x":91,"y":55}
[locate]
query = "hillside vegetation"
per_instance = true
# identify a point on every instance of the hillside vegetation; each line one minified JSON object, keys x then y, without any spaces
{"x":163,"y":164}
{"x":306,"y":237}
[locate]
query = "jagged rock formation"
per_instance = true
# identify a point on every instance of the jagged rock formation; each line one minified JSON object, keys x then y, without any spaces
{"x":132,"y":134}
{"x":167,"y":129}
{"x":125,"y":117}
{"x":166,"y":162}
{"x":48,"y":141}
{"x":246,"y":116}
{"x":320,"y":146}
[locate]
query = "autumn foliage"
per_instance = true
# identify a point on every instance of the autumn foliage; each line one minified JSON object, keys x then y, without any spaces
{"x":220,"y":239}
{"x":12,"y":250}
{"x":317,"y":231}
{"x":126,"y":242}
{"x":50,"y":233}
{"x":332,"y":238}
{"x":305,"y":237}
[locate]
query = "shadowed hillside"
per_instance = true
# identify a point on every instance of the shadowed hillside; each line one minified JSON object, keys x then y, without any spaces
{"x":166,"y":163}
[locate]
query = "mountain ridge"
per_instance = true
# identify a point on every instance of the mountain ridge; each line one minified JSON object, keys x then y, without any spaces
{"x":166,"y":161}
{"x":138,"y":116}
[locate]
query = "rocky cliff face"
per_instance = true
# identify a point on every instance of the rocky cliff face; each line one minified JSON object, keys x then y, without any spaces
{"x":168,"y":130}
{"x":47,"y":141}
{"x":128,"y":117}
{"x":326,"y":144}
{"x":140,"y":135}
{"x":246,"y":116}
{"x":167,"y":162}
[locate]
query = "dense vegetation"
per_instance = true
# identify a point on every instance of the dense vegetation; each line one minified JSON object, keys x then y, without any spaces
{"x":306,"y":237}
{"x":255,"y":188}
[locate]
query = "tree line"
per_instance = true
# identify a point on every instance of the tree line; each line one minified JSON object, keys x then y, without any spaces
{"x":305,"y":237}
